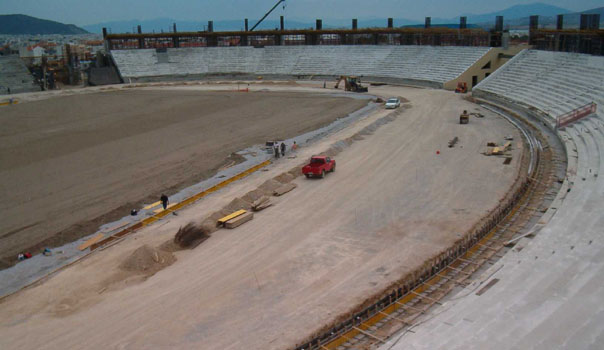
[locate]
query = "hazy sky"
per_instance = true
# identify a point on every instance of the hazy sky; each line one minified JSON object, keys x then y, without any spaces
{"x":83,"y":12}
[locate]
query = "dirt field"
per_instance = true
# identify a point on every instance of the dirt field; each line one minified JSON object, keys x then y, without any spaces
{"x":69,"y":164}
{"x":318,"y":252}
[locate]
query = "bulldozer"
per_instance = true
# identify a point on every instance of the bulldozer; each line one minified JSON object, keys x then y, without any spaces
{"x":462,"y":87}
{"x":464,"y":118}
{"x":351,"y":83}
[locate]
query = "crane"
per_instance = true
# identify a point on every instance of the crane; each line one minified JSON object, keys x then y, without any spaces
{"x":268,"y":13}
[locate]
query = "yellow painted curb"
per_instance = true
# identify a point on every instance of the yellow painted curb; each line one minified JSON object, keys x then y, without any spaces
{"x":177,"y":206}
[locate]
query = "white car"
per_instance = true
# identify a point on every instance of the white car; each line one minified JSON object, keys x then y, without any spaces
{"x":393,"y":103}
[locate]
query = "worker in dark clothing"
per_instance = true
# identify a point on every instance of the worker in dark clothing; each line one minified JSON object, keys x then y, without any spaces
{"x":164,"y":201}
{"x":282,"y":146}
{"x":276,"y":148}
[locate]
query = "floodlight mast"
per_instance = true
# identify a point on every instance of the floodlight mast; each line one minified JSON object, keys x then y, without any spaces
{"x":266,"y":15}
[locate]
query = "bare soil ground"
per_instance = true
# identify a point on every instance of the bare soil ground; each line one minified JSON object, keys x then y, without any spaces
{"x":70,"y":164}
{"x":318,"y":252}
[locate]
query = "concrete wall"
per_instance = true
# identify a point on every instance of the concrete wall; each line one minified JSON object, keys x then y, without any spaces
{"x":493,"y":56}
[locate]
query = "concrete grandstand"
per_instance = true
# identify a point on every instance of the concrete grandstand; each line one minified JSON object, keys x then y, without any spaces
{"x":15,"y":76}
{"x":548,"y":294}
{"x":432,"y":66}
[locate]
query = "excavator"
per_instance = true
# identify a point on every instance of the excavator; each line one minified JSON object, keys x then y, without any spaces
{"x":351,"y":83}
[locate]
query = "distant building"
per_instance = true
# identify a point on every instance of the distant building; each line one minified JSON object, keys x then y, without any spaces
{"x":32,"y":54}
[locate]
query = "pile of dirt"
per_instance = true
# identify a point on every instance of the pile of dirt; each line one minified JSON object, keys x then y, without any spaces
{"x":147,"y":260}
{"x":269,"y":186}
{"x":284,"y":177}
{"x":252,"y":196}
{"x":238,"y":204}
{"x":190,"y":236}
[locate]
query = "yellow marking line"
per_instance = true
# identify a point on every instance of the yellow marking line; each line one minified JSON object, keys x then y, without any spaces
{"x":182,"y":204}
{"x":91,"y":241}
{"x":8,"y":103}
{"x":152,"y":205}
{"x":232,"y":216}
{"x":157,"y":211}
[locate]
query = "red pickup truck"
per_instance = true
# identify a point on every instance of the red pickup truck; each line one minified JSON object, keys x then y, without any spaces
{"x":318,"y":166}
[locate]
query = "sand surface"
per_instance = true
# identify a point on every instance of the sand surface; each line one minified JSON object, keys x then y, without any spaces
{"x":69,"y":164}
{"x":316,"y":253}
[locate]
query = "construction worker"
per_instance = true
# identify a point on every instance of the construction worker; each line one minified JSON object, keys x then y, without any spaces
{"x":164,"y":201}
{"x":295,"y":146}
{"x":276,"y":149}
{"x":282,"y":146}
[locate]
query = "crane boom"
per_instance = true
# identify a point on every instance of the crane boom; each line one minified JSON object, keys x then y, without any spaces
{"x":266,"y":15}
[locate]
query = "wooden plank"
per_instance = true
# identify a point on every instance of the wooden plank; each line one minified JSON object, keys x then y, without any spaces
{"x":239,"y":220}
{"x":232,"y":216}
{"x":91,"y":241}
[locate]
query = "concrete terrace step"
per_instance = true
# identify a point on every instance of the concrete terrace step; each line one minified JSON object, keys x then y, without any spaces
{"x":437,"y":64}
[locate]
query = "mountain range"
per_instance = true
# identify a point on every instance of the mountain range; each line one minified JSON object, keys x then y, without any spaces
{"x":22,"y":24}
{"x":514,"y":16}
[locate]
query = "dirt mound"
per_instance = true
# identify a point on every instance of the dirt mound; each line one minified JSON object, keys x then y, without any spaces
{"x":147,"y":260}
{"x":252,"y":196}
{"x":284,"y":177}
{"x":191,"y":235}
{"x":238,"y":204}
{"x":269,"y":186}
{"x":296,"y":171}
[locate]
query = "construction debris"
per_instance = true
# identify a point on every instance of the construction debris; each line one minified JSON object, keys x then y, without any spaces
{"x":453,"y":142}
{"x":284,"y":189}
{"x":239,"y":220}
{"x":191,"y":235}
{"x":261,"y":203}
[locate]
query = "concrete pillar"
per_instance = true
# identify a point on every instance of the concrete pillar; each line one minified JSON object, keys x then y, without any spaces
{"x":534,"y":22}
{"x":246,"y":25}
{"x":589,"y":22}
{"x":211,"y":26}
{"x":560,"y":22}
{"x":533,"y":26}
{"x":584,"y":22}
{"x":463,"y":22}
{"x":141,"y":41}
{"x":354,"y":24}
{"x":595,"y":21}
{"x":282,"y":24}
{"x":390,"y":23}
{"x":319,"y":24}
{"x":175,"y":40}
{"x":499,"y":24}
{"x":106,"y":42}
{"x":428,"y":22}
